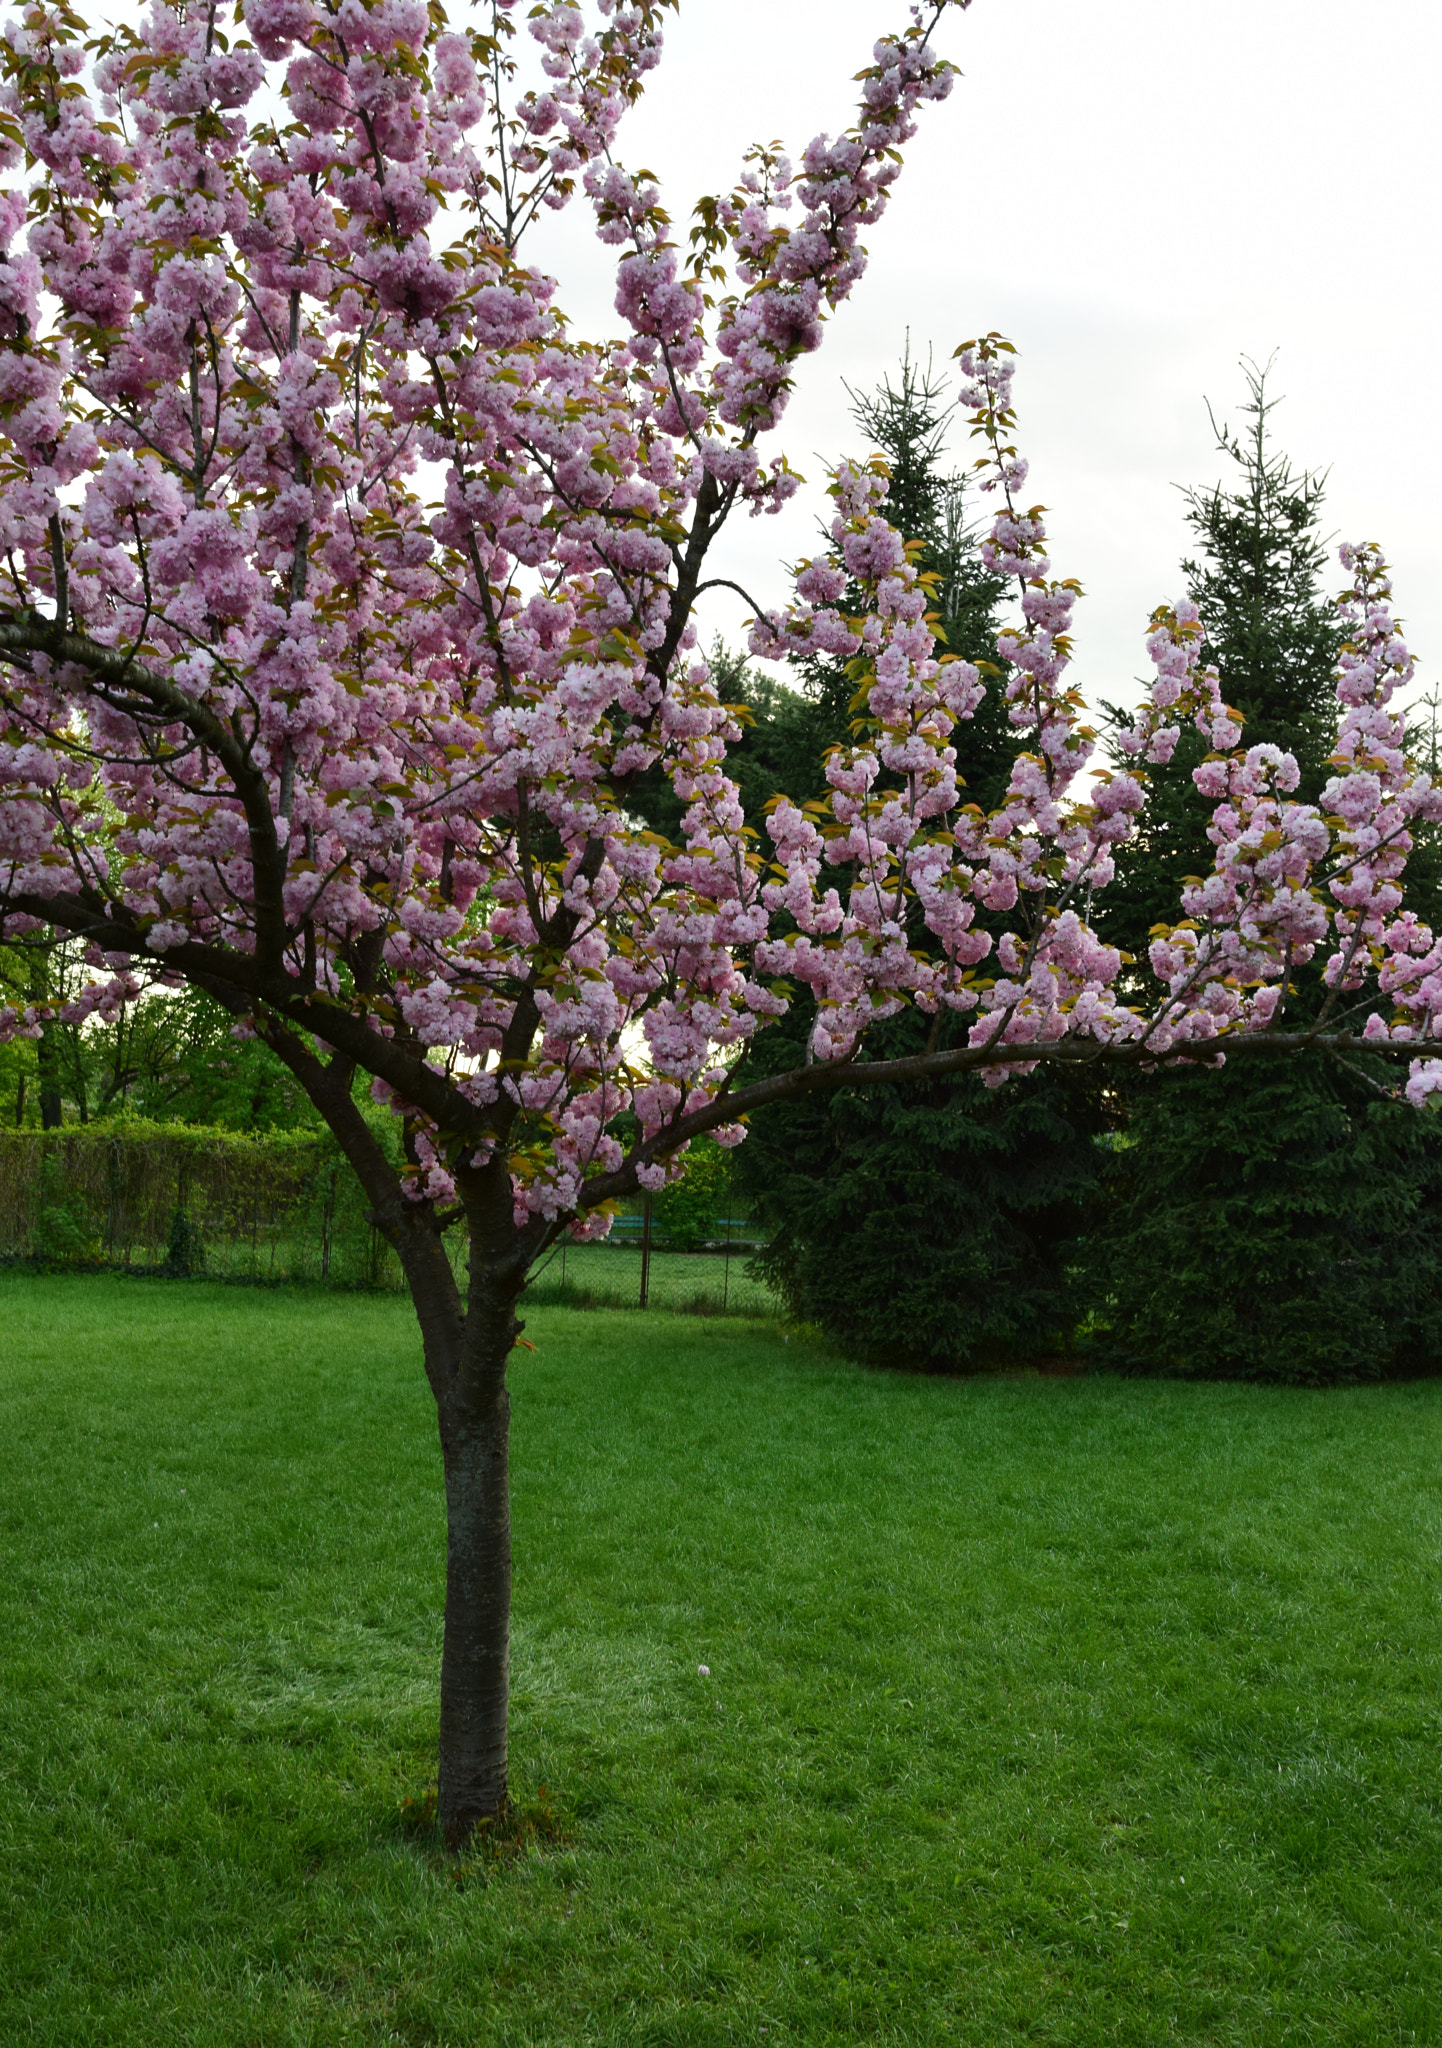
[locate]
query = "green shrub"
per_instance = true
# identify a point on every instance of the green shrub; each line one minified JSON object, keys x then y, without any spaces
{"x":1271,"y":1222}
{"x":184,"y":1246}
{"x":690,"y":1212}
{"x":187,"y":1199}
{"x":61,"y":1233}
{"x":934,"y":1226}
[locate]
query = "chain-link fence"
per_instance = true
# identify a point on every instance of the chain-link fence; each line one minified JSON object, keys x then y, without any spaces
{"x":636,"y":1267}
{"x":184,"y":1201}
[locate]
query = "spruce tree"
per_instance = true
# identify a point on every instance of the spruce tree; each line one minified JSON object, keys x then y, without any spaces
{"x":1263,"y":1223}
{"x":933,"y":1226}
{"x":1273,"y":637}
{"x":790,"y":723}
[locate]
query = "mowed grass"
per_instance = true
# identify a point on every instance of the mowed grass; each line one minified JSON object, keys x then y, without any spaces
{"x":1040,"y":1711}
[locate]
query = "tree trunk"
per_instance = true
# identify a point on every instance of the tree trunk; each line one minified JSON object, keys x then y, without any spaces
{"x":47,"y":1058}
{"x":476,"y":1658}
{"x":466,"y":1350}
{"x":51,"y":1107}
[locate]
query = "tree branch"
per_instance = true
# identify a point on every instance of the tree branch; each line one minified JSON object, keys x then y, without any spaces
{"x":28,"y":633}
{"x":797,"y":1081}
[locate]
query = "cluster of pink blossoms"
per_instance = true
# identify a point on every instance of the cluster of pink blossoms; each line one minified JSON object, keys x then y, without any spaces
{"x":350,"y":595}
{"x":286,"y":720}
{"x":1225,"y":967}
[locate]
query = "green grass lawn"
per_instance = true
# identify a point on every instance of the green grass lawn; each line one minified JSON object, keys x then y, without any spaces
{"x":1040,"y":1711}
{"x":609,"y":1276}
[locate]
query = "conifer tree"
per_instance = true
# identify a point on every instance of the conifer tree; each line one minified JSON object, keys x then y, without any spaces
{"x":936,"y":1226}
{"x":1310,"y":1193}
{"x":1274,"y":638}
{"x":790,"y":726}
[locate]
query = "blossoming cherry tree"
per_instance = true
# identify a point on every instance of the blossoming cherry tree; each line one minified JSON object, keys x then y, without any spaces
{"x":349,"y":593}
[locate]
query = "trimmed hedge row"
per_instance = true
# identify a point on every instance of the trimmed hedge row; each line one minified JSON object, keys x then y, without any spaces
{"x":183,"y":1198}
{"x":186,"y":1199}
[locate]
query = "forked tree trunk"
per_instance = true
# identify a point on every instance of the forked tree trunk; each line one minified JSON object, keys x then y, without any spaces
{"x":476,"y":1657}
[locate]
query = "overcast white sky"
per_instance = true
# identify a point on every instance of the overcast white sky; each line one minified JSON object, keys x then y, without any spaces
{"x":1137,"y":192}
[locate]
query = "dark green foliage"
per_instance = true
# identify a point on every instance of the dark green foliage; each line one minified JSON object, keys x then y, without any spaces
{"x":184,"y":1246}
{"x":1273,"y":1221}
{"x":934,"y":1227}
{"x":62,"y":1232}
{"x":185,"y":1198}
{"x":907,"y":423}
{"x":784,"y":734}
{"x":782,"y":750}
{"x":1273,"y":637}
{"x":1271,"y":632}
